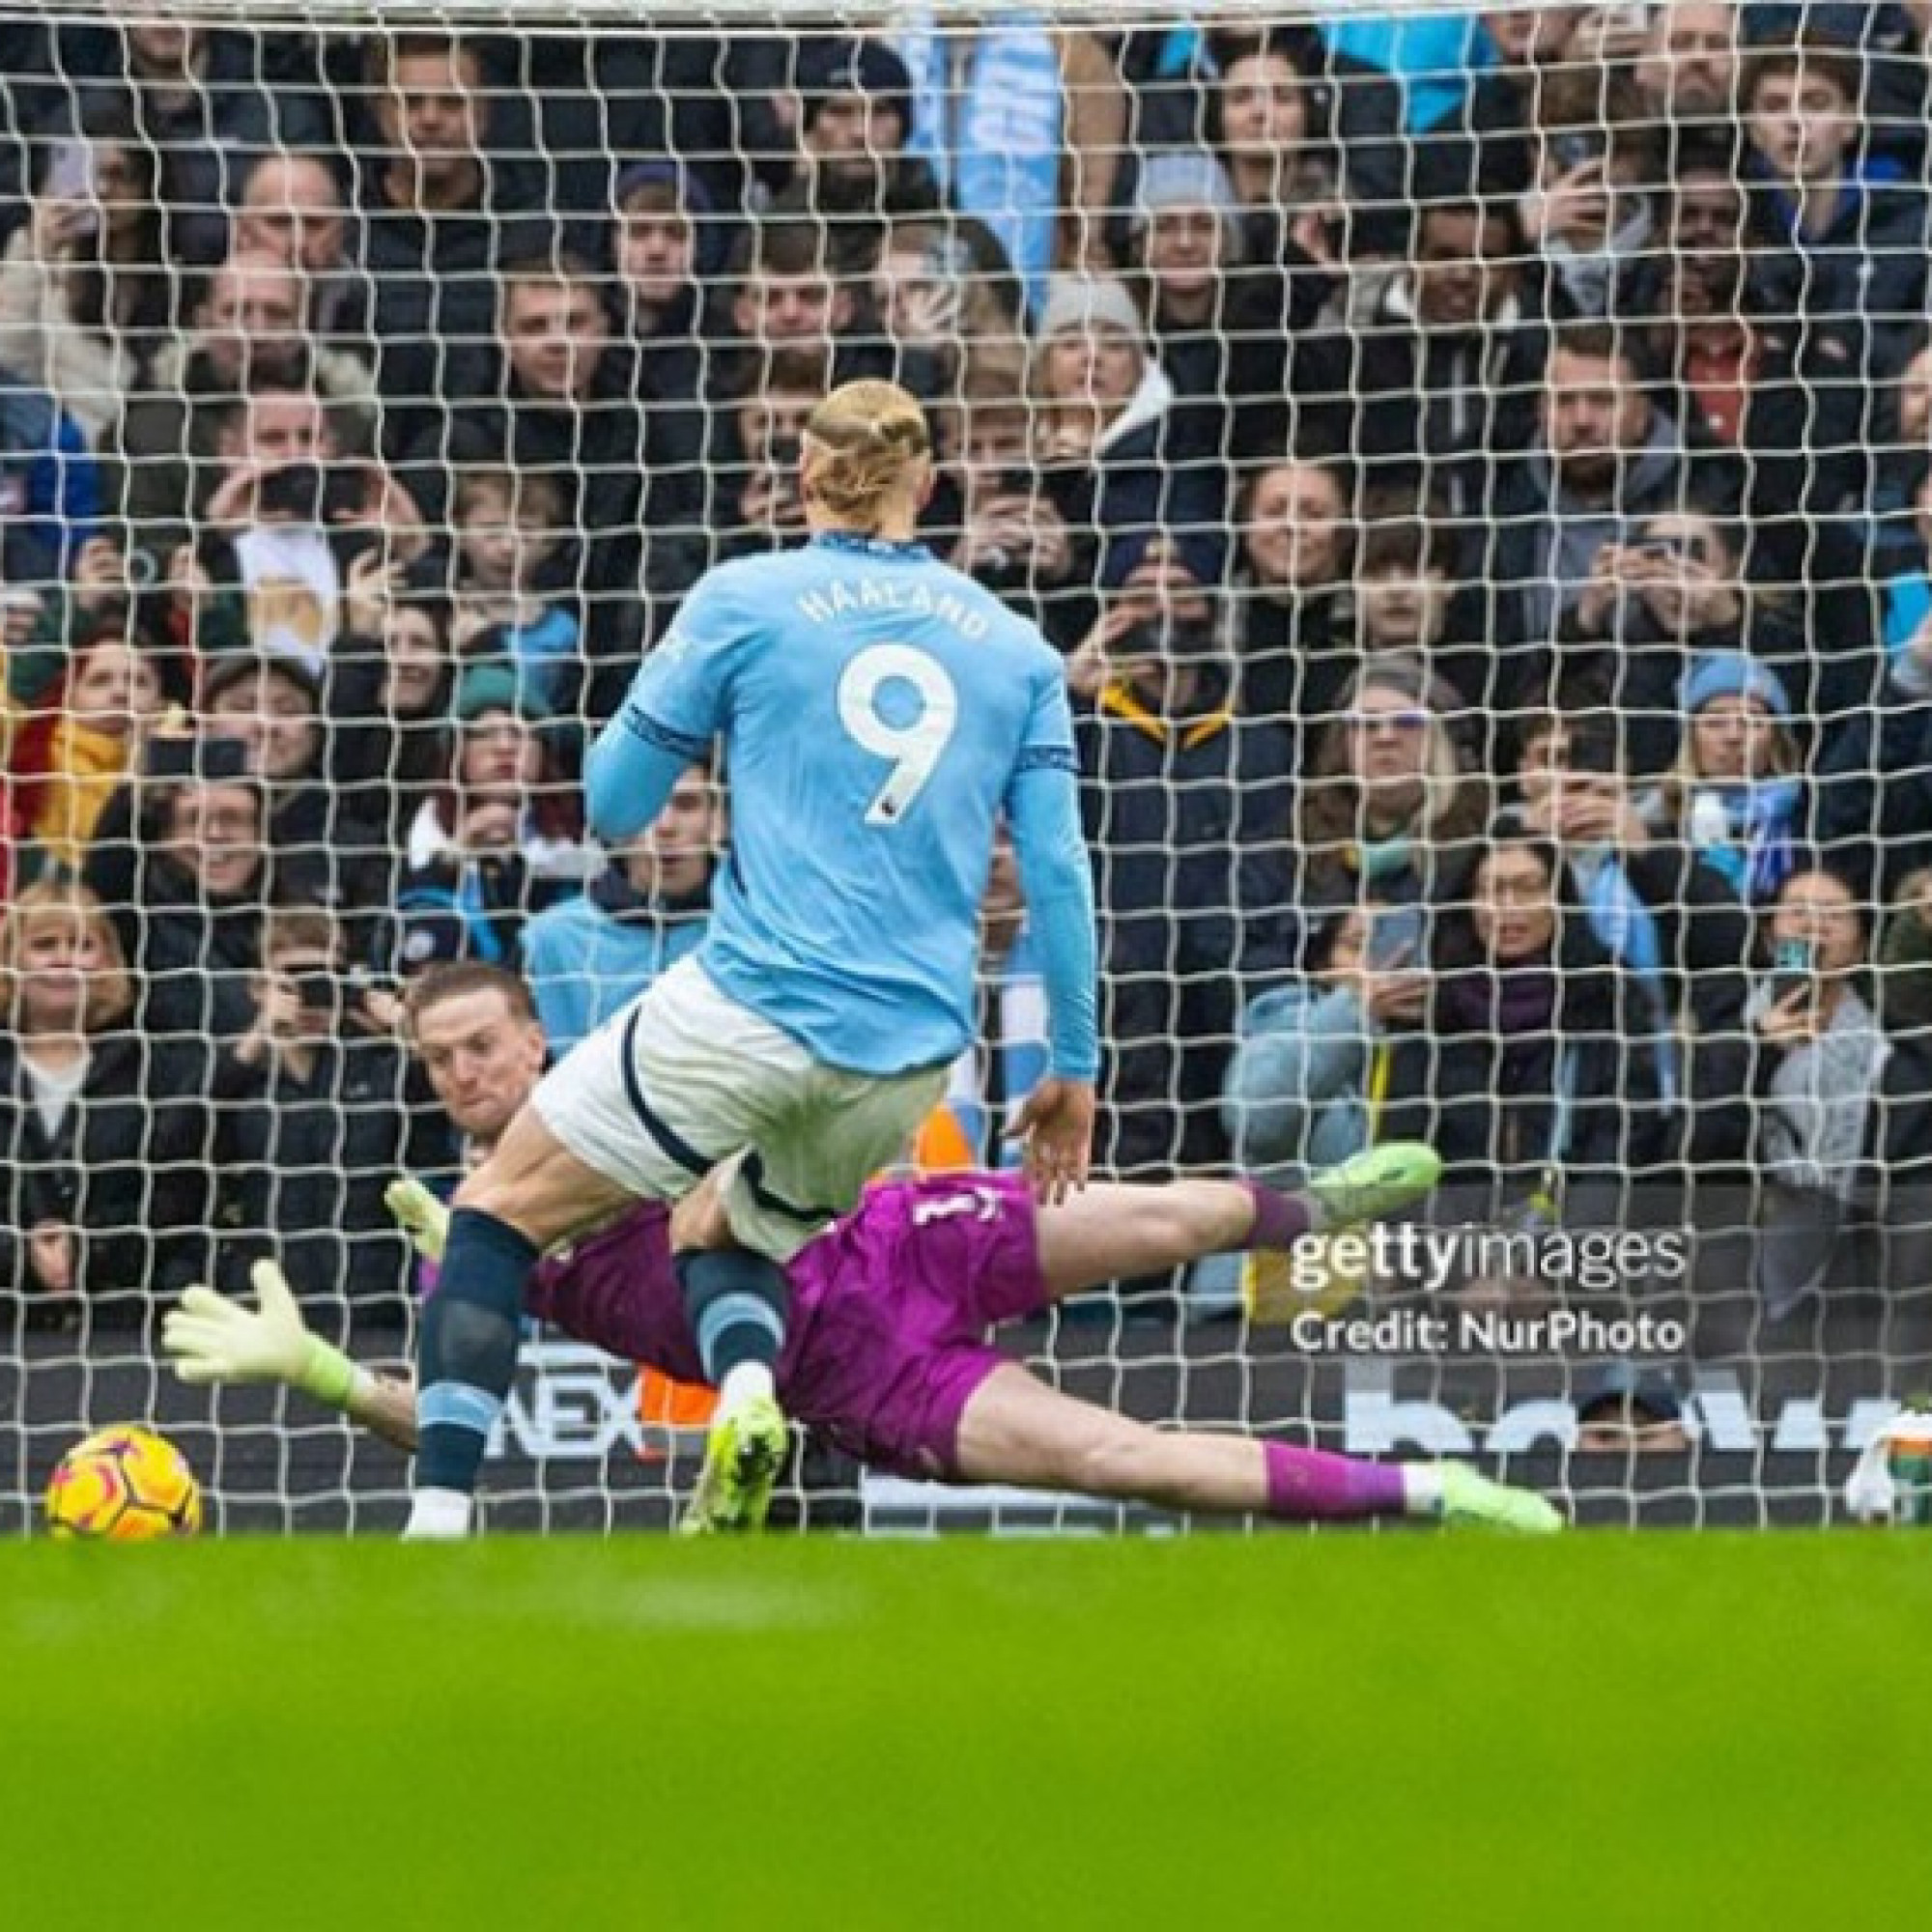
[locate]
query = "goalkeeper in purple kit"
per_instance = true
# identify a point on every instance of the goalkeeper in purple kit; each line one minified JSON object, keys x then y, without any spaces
{"x":888,"y":1352}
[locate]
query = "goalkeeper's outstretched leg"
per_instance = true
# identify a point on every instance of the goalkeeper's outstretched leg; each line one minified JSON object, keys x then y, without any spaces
{"x":1014,"y":1430}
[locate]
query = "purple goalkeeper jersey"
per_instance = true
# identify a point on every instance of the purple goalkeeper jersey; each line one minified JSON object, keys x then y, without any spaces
{"x":891,"y":1306}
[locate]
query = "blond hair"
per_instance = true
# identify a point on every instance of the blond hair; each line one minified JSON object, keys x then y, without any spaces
{"x":110,"y":992}
{"x":866,"y":440}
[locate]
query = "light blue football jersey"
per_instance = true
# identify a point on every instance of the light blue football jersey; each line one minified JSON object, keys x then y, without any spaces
{"x":875,"y":708}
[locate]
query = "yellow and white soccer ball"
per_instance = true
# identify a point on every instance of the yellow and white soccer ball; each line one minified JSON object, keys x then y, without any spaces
{"x":125,"y":1484}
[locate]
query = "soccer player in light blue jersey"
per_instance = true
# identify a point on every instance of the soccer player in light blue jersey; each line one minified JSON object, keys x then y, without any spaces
{"x":877,"y":713}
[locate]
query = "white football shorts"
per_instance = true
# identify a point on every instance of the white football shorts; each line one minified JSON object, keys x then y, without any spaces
{"x":684,"y":1079}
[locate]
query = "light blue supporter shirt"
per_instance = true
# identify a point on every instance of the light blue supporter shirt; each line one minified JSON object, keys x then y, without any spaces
{"x":878,"y":710}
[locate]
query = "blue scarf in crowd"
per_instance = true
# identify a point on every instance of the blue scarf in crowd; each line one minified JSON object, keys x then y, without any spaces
{"x":988,"y":120}
{"x":1627,"y":930}
{"x":1759,"y":850}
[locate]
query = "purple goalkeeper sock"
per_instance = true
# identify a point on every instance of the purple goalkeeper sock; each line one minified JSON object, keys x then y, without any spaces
{"x":1311,"y":1484}
{"x":1280,"y":1219}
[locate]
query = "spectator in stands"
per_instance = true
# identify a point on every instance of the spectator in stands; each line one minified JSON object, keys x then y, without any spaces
{"x":942,"y":296}
{"x":787,"y":298}
{"x":1887,"y":40}
{"x":1605,"y":460}
{"x":1264,"y":123}
{"x":1010,"y":536}
{"x":510,"y":531}
{"x":1883,"y":496}
{"x":1652,"y":604}
{"x":1841,"y":241}
{"x":854,"y":172}
{"x":1905,"y":958}
{"x":1440,"y":384}
{"x":326,"y":854}
{"x":291,"y":212}
{"x":668,"y":248}
{"x":1291,"y":649}
{"x":1688,"y":72}
{"x":1406,"y":598}
{"x":499,"y":839}
{"x":1670,"y":920}
{"x":666,"y":242}
{"x":46,"y":627}
{"x":1706,"y":217}
{"x":1590,"y":214}
{"x":389,"y":698}
{"x":107,"y":1144}
{"x":1874,"y":782}
{"x":1530,"y":1067}
{"x":1184,"y":798}
{"x":317,"y":1126}
{"x":1841,"y":1112}
{"x":1388,"y":799}
{"x":85,"y":294}
{"x":1784,"y":389}
{"x":180,"y":861}
{"x":759,"y":503}
{"x":434,"y":193}
{"x":1704,"y":334}
{"x":1624,"y":1410}
{"x":249,"y":325}
{"x":288,"y":516}
{"x":1103,"y":425}
{"x":70,"y":755}
{"x":1216,"y":328}
{"x":1313,"y":1054}
{"x":584,"y":957}
{"x":1736,"y":795}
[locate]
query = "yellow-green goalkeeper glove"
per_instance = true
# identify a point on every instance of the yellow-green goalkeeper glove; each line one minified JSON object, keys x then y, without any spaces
{"x":216,"y":1340}
{"x":419,"y":1214}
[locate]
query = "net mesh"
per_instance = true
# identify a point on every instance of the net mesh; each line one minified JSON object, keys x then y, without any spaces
{"x":1474,"y":464}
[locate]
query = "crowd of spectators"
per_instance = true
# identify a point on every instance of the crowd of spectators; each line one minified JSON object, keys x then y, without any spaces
{"x":1477,"y":465}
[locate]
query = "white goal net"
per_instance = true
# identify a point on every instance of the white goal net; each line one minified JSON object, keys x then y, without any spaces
{"x":1476,"y":463}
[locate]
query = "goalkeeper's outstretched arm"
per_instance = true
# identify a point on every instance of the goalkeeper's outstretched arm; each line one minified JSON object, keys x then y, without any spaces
{"x":216,"y":1341}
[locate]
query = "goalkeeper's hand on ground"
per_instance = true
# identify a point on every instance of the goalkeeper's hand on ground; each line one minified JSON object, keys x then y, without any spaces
{"x":420,"y":1215}
{"x":216,"y":1340}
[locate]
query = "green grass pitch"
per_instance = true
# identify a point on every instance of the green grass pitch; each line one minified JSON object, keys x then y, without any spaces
{"x":1302,"y":1731}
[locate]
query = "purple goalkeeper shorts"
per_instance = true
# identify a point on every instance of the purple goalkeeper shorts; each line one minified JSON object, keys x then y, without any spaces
{"x":889,"y":1316}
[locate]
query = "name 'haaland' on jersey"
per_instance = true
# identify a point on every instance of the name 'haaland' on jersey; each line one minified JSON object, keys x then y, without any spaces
{"x":837,"y":599}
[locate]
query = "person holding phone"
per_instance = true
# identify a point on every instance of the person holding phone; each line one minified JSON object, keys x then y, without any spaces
{"x":86,"y":295}
{"x":283,"y":528}
{"x":1842,"y":1109}
{"x":1010,"y":535}
{"x":1738,"y":794}
{"x":1303,"y":1083}
{"x":1590,"y":213}
{"x":1669,"y":593}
